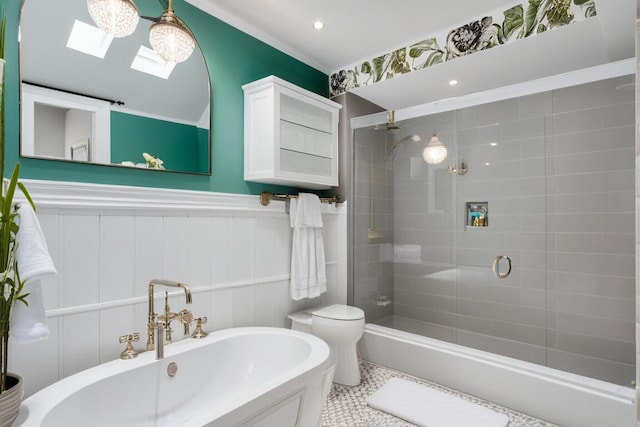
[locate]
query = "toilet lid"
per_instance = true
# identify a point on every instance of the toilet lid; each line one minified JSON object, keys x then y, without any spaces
{"x":340,"y":312}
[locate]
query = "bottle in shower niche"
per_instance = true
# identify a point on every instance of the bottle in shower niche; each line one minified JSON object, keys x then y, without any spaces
{"x":477,"y":214}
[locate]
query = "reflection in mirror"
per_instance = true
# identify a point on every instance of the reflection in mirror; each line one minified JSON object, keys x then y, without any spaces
{"x":53,"y":121}
{"x":111,"y":105}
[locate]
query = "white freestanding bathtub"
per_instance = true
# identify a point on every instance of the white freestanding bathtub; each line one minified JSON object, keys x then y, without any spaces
{"x":234,"y":377}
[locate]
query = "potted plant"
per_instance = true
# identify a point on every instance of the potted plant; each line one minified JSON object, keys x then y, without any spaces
{"x":11,"y":287}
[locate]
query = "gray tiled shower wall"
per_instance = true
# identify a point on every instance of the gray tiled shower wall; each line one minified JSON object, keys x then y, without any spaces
{"x":557,"y":170}
{"x":591,"y":239}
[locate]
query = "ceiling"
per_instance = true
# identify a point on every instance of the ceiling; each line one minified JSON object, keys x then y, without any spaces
{"x":357,"y":30}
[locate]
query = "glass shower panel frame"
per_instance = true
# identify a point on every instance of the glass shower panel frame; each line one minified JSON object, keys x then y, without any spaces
{"x":372,"y":228}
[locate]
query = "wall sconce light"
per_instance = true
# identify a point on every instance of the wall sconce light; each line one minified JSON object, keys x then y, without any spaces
{"x":435,"y":152}
{"x":169,"y":36}
{"x":117,"y":17}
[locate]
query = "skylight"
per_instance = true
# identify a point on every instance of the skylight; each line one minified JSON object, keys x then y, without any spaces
{"x":88,"y":39}
{"x":148,"y":62}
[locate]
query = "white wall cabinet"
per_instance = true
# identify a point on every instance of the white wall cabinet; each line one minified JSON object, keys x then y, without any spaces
{"x":290,"y":135}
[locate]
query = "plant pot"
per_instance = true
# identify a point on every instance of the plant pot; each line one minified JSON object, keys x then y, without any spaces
{"x":10,"y":400}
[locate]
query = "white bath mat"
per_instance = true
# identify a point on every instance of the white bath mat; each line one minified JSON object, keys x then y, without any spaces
{"x":428,"y":407}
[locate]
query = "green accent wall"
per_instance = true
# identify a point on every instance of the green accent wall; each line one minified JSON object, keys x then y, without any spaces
{"x":234,"y":58}
{"x":176,"y":144}
{"x":203,"y":151}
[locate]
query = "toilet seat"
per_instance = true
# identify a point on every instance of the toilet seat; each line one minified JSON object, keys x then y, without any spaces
{"x":340,"y":312}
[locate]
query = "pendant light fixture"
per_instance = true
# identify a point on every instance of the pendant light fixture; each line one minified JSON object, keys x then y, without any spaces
{"x":117,"y":17}
{"x":435,"y":152}
{"x":170,"y":38}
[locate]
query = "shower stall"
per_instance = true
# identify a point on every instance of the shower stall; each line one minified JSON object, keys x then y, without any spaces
{"x":521,"y":242}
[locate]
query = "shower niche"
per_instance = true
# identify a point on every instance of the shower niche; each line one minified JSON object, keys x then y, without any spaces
{"x":477,"y":214}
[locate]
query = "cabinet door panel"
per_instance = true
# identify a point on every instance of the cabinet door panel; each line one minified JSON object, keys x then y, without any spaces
{"x":293,"y":161}
{"x":305,"y":140}
{"x":305,"y":113}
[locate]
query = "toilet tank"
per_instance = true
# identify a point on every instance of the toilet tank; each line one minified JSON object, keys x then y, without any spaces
{"x":301,"y":321}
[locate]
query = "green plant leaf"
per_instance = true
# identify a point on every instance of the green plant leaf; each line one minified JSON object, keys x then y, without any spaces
{"x":378,"y":67}
{"x":513,"y":20}
{"x":7,"y":218}
{"x":366,"y":67}
{"x":23,"y":299}
{"x":501,"y":38}
{"x":419,"y":48}
{"x":3,"y":25}
{"x":26,"y":194}
{"x":20,"y":285}
{"x":11,"y":190}
{"x":398,"y":64}
{"x":580,"y":2}
{"x":558,"y":13}
{"x":398,"y":68}
{"x":434,"y":58}
{"x":530,"y":18}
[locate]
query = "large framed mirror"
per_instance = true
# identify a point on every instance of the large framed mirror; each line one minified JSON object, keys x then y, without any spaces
{"x":112,"y":101}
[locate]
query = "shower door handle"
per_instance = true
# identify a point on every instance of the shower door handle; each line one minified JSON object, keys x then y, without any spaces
{"x":496,"y":267}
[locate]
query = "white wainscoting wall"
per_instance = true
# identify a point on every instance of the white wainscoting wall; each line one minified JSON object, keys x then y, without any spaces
{"x":108,"y":242}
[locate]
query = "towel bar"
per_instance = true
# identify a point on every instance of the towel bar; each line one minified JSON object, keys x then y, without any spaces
{"x":266,"y":198}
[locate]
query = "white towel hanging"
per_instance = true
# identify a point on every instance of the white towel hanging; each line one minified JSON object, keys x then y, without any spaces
{"x":308,"y":269}
{"x":29,"y":323}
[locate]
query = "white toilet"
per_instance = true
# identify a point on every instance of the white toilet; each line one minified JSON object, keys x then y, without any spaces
{"x":340,"y":326}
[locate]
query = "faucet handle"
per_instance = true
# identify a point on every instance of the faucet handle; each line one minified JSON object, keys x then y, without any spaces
{"x":199,"y":333}
{"x":186,"y":318}
{"x":129,"y":352}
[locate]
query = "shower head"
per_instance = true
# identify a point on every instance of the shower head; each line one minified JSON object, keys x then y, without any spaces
{"x":414,"y":138}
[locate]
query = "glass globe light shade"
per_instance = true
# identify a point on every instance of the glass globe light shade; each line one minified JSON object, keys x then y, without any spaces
{"x":170,"y":38}
{"x":117,"y":17}
{"x":435,"y":152}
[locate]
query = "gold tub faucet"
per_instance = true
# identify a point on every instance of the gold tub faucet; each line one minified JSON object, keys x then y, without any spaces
{"x":152,"y":316}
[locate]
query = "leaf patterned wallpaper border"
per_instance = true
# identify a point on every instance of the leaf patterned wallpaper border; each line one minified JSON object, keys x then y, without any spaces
{"x":498,"y":28}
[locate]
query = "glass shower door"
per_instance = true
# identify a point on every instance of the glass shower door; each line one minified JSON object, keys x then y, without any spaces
{"x":500,"y":227}
{"x":548,"y":197}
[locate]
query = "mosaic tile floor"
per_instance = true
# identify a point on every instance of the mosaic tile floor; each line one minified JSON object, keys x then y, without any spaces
{"x":346,"y":406}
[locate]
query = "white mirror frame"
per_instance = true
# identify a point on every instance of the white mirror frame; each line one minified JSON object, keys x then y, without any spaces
{"x":100,"y":112}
